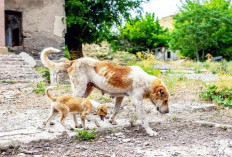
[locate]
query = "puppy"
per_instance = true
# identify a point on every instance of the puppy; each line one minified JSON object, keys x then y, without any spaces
{"x":73,"y":105}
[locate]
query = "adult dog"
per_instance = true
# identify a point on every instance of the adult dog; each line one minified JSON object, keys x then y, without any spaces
{"x":118,"y":81}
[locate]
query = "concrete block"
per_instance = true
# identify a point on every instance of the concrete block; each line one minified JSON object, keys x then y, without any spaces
{"x":3,"y":50}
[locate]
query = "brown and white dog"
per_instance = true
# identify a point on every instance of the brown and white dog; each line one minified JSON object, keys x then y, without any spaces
{"x":118,"y":81}
{"x":74,"y":105}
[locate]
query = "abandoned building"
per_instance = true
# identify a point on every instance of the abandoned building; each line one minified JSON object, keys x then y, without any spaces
{"x":163,"y":53}
{"x":31,"y":25}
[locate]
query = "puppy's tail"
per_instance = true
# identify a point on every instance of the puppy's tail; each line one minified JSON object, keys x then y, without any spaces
{"x":53,"y":65}
{"x":48,"y":95}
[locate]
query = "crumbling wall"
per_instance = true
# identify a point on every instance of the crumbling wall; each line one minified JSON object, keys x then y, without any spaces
{"x":39,"y":22}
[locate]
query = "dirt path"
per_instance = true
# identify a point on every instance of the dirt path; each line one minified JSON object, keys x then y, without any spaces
{"x":190,"y":129}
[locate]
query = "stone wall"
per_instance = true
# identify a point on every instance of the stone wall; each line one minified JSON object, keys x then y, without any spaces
{"x":40,"y":22}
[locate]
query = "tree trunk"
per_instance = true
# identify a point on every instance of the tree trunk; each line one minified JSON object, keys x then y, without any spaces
{"x":74,"y":45}
{"x":203,"y":54}
{"x":197,"y":54}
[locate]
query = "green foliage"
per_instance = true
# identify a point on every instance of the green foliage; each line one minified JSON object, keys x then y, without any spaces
{"x":90,"y":21}
{"x":174,"y":117}
{"x":85,"y":135}
{"x":223,"y":127}
{"x":66,"y":52}
{"x":44,"y":72}
{"x":40,"y":88}
{"x":219,"y":95}
{"x":140,"y":34}
{"x":203,"y":27}
{"x":3,"y":81}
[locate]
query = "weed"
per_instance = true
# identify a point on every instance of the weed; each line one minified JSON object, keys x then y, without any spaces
{"x":85,"y":135}
{"x":44,"y":72}
{"x":12,"y":82}
{"x":174,"y":117}
{"x":223,"y":127}
{"x":210,"y":125}
{"x":66,"y":53}
{"x":220,"y":92}
{"x":3,"y":81}
{"x":108,"y":131}
{"x":40,"y":88}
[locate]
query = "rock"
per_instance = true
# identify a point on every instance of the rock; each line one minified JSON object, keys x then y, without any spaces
{"x":3,"y":50}
{"x":147,"y":144}
{"x":126,"y":140}
{"x":119,"y":134}
{"x":27,"y":58}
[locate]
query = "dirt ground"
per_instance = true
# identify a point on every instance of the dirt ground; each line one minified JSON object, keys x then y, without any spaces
{"x":192,"y":128}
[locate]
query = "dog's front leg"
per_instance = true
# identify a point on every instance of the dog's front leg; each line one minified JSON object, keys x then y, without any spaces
{"x":75,"y":121}
{"x":118,"y":103}
{"x":137,"y":99}
{"x":93,"y":120}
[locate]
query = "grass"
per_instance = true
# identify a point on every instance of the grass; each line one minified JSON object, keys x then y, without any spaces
{"x":44,"y":72}
{"x":174,"y":117}
{"x":85,"y":135}
{"x":4,"y":81}
{"x":223,"y":127}
{"x":40,"y":88}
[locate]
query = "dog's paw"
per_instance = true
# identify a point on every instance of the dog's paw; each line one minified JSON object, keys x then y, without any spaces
{"x":78,"y":126}
{"x":71,"y":129}
{"x":51,"y":123}
{"x":150,"y":132}
{"x":113,"y":122}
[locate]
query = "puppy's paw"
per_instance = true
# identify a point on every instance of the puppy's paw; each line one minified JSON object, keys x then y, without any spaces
{"x":113,"y":122}
{"x":150,"y":132}
{"x":71,"y":129}
{"x":86,"y":128}
{"x":51,"y":123}
{"x":78,"y":126}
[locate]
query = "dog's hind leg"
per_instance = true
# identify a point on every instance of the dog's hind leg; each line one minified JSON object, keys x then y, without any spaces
{"x":79,"y":84}
{"x":118,"y":103}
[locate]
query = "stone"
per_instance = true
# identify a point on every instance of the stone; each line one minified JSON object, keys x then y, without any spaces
{"x":27,"y":58}
{"x":126,"y":140}
{"x":3,"y":50}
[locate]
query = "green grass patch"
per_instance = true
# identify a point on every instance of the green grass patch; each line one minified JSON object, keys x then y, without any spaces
{"x":85,"y":135}
{"x":40,"y":88}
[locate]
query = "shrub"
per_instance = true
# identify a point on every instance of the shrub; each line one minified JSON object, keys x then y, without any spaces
{"x":219,"y":93}
{"x":44,"y":72}
{"x":85,"y":135}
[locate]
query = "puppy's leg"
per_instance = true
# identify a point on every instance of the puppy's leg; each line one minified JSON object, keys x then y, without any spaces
{"x":75,"y":121}
{"x":118,"y":103}
{"x":53,"y":113}
{"x":137,"y":101}
{"x":83,"y":122}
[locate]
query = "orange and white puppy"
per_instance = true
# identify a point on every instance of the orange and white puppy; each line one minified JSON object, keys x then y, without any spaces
{"x":118,"y":81}
{"x":73,"y":105}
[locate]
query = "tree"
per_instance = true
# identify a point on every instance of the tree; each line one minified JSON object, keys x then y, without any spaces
{"x":140,"y":34}
{"x":202,"y":27}
{"x":90,"y":21}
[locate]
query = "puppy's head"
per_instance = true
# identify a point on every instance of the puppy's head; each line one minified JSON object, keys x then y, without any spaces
{"x":102,"y":111}
{"x":160,"y":92}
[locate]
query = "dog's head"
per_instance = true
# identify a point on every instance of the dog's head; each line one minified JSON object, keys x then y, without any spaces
{"x":102,"y":111}
{"x":159,"y":92}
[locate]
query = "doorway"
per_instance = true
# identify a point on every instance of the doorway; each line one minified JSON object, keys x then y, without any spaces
{"x":13,"y":31}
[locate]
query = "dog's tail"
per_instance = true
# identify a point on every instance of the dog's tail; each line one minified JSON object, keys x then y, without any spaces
{"x":48,"y":95}
{"x":53,"y":65}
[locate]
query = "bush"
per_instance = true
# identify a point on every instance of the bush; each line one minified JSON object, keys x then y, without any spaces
{"x":221,"y":94}
{"x":85,"y":135}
